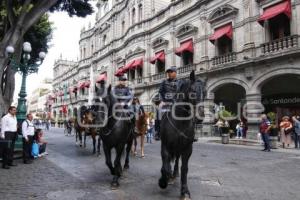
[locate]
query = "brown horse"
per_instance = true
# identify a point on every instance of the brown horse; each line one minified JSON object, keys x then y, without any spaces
{"x":140,"y":131}
{"x":87,"y":119}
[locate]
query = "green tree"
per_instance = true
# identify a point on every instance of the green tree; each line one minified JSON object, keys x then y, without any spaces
{"x":17,"y":17}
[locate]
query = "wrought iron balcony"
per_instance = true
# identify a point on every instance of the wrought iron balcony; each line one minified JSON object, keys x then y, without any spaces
{"x":185,"y":69}
{"x":158,"y":76}
{"x":224,"y":59}
{"x":280,"y":44}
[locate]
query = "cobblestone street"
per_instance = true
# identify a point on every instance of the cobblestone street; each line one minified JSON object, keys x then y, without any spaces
{"x":215,"y":172}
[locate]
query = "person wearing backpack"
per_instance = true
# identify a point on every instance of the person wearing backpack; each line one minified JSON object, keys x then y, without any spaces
{"x":28,"y":137}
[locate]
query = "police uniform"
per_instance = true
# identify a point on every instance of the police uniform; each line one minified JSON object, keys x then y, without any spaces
{"x":122,"y":92}
{"x":168,"y":87}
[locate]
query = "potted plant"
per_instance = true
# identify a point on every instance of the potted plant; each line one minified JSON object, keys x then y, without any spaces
{"x":274,"y":131}
{"x":225,"y":134}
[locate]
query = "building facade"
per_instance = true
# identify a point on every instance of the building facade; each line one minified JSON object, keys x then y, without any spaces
{"x":246,"y":51}
{"x":39,"y":99}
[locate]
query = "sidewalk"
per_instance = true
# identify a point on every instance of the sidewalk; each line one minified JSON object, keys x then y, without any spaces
{"x":245,"y":143}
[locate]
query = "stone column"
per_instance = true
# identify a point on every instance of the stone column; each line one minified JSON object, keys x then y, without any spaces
{"x":209,"y":116}
{"x":249,"y":46}
{"x":252,"y":111}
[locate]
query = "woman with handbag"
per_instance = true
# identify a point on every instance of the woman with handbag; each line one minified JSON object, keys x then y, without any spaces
{"x":286,"y":131}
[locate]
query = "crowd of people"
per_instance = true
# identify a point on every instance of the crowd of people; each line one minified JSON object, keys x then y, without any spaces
{"x":288,"y":128}
{"x":33,"y":143}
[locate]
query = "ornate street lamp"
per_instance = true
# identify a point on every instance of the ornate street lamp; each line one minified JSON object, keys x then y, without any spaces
{"x":25,"y":68}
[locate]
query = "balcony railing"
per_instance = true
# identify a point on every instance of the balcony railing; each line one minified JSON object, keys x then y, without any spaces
{"x":158,"y":76}
{"x":280,"y":44}
{"x":139,"y":80}
{"x":185,"y":69}
{"x":224,"y":59}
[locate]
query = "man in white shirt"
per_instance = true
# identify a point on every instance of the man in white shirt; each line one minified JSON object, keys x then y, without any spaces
{"x":28,"y":135}
{"x":9,"y":132}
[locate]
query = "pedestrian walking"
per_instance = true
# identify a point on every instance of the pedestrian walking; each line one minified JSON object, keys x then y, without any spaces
{"x":264,"y":129}
{"x":239,"y":130}
{"x":286,"y":131}
{"x":296,"y":120}
{"x":9,"y":132}
{"x":28,"y":136}
{"x":150,"y":122}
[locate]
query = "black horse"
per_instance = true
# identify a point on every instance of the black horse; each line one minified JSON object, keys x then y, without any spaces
{"x":116,"y":133}
{"x":177,"y":135}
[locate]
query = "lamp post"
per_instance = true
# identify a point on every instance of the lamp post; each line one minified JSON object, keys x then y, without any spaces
{"x":25,"y":68}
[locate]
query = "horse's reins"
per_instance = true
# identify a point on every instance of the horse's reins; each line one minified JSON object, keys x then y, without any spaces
{"x":110,"y":130}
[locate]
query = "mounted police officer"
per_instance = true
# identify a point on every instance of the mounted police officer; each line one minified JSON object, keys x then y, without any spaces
{"x":169,"y":87}
{"x":122,"y":92}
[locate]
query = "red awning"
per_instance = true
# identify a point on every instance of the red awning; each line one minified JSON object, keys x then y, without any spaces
{"x":120,"y":71}
{"x":87,"y":84}
{"x":185,"y":46}
{"x":128,"y":66}
{"x":273,"y":11}
{"x":222,"y":31}
{"x":81,"y":85}
{"x":158,"y":56}
{"x":138,"y":63}
{"x":102,"y":77}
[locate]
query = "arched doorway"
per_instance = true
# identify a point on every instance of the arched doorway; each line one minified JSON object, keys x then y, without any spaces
{"x":281,"y":95}
{"x":229,"y":96}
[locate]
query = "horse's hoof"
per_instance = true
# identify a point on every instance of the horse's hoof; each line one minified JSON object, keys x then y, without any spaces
{"x":185,"y":197}
{"x":171,"y":181}
{"x":126,"y":167}
{"x":175,"y":176}
{"x":163,"y":183}
{"x":114,"y":185}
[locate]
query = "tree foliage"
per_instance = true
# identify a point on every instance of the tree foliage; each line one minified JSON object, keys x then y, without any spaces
{"x":19,"y":20}
{"x":39,"y":36}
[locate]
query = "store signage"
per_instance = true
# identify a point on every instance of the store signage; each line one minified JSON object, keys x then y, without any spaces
{"x":281,"y":100}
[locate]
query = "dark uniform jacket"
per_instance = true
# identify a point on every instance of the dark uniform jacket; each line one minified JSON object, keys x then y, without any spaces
{"x":122,"y":93}
{"x":168,"y":89}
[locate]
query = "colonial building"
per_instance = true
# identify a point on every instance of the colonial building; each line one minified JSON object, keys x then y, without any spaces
{"x":246,"y":51}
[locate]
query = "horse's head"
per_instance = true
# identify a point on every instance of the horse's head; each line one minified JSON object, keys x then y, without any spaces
{"x":89,"y":116}
{"x":190,"y":90}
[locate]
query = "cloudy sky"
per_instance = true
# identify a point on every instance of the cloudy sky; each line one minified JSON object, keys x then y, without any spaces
{"x":65,"y":42}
